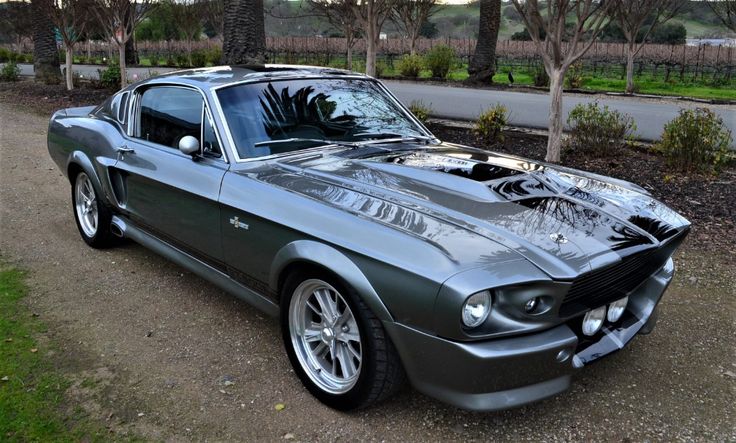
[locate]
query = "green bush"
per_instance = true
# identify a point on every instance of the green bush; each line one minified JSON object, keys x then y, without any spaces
{"x":154,"y":59}
{"x":110,"y":77}
{"x":181,"y":60}
{"x":420,"y":110}
{"x":541,"y":78}
{"x":490,"y":124}
{"x":381,"y":67}
{"x":574,"y":76}
{"x":598,"y":131}
{"x":10,"y":72}
{"x":439,"y":60}
{"x":410,"y":66}
{"x":199,"y":59}
{"x":214,"y":56}
{"x":696,"y":140}
{"x":4,"y":54}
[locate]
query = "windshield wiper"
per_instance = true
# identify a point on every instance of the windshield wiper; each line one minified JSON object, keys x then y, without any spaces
{"x":402,"y":137}
{"x":298,"y":139}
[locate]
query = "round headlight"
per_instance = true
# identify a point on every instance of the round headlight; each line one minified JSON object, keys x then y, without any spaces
{"x":616,"y":309}
{"x":593,"y":320}
{"x":476,"y":309}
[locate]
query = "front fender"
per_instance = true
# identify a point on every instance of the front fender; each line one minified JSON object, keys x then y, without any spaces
{"x":326,"y":256}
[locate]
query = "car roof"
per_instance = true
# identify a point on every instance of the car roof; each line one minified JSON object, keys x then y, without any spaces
{"x":207,"y":78}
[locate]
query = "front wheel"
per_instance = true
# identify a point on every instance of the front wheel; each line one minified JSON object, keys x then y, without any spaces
{"x":337,"y":347}
{"x":92,"y":216}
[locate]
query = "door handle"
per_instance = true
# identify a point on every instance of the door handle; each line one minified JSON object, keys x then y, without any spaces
{"x":124,"y":149}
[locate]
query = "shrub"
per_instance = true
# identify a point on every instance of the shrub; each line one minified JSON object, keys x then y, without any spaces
{"x":541,"y":78}
{"x":574,"y":76}
{"x":154,"y":59}
{"x":110,"y":77}
{"x":439,"y":60}
{"x":598,"y":131}
{"x":199,"y":59}
{"x":214,"y":56}
{"x":410,"y":66}
{"x":380,"y":67}
{"x":10,"y":72}
{"x":490,"y":124}
{"x":420,"y":110}
{"x":170,"y":61}
{"x":696,"y":140}
{"x":182,"y":60}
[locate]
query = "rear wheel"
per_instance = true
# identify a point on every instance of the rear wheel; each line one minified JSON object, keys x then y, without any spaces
{"x":92,"y":216}
{"x":336,"y":345}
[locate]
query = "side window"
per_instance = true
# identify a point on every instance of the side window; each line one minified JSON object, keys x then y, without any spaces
{"x":210,"y":144}
{"x":123,"y":108}
{"x":169,"y":113}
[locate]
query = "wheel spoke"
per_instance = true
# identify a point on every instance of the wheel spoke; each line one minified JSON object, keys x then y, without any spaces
{"x":347,"y":364}
{"x":311,"y":334}
{"x":348,"y":337}
{"x":326,"y":304}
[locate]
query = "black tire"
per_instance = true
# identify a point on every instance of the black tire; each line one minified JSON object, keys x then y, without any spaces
{"x":102,"y":237}
{"x":381,"y":373}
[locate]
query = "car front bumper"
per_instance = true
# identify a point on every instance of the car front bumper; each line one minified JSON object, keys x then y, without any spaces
{"x":508,"y":372}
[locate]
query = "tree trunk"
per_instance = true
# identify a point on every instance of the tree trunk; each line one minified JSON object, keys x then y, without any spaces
{"x":123,"y":76}
{"x":349,"y":54}
{"x":629,"y":69}
{"x":131,"y":52}
{"x":554,"y":138}
{"x":45,"y":52}
{"x":370,"y":53}
{"x":482,"y":66}
{"x":69,"y":62}
{"x":244,"y":35}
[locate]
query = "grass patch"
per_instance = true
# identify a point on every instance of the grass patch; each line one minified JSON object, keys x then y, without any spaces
{"x":31,"y":388}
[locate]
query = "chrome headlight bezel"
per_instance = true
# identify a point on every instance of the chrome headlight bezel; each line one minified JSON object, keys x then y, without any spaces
{"x":476,"y":309}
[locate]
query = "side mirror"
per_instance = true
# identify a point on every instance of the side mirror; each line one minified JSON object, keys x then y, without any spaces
{"x":189,"y":145}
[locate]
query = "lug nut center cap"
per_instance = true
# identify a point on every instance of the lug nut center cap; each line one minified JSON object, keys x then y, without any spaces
{"x":327,"y":335}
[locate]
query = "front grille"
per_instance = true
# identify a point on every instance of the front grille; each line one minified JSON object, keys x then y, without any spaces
{"x":601,"y":286}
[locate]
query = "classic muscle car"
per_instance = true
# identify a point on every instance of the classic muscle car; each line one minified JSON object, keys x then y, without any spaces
{"x":486,"y":280}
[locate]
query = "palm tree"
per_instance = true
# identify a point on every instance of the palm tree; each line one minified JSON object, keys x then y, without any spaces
{"x":244,"y":35}
{"x":45,"y":52}
{"x":483,"y":64}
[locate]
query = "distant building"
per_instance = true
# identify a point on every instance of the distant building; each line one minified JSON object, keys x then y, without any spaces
{"x":711,"y":42}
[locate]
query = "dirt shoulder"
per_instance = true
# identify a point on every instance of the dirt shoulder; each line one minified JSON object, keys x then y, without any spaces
{"x":153,"y":346}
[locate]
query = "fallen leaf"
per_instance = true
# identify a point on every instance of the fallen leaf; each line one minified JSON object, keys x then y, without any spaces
{"x":229,"y":383}
{"x":8,"y":340}
{"x":279,"y":406}
{"x":6,"y":378}
{"x":34,"y":350}
{"x":289,"y":436}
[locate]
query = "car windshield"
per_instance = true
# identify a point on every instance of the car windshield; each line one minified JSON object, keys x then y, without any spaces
{"x":288,"y":115}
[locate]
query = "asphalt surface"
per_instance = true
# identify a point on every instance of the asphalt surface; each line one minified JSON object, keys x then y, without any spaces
{"x":527,"y":109}
{"x":155,"y":351}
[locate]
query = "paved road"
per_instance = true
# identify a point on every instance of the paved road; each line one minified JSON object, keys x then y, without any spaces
{"x":527,"y":109}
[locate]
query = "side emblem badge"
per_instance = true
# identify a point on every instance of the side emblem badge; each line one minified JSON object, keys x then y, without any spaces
{"x":238,"y":224}
{"x":558,"y":238}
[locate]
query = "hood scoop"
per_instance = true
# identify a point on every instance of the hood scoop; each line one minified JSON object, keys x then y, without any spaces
{"x":470,"y":168}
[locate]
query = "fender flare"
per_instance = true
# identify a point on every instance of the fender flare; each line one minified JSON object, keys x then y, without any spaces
{"x":81,"y":160}
{"x":320,"y":254}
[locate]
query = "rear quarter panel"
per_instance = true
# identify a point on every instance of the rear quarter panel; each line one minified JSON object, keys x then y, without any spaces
{"x":77,"y":139}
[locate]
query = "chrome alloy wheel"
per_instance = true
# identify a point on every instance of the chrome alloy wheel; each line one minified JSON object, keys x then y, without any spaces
{"x":86,"y":204}
{"x":325,"y":336}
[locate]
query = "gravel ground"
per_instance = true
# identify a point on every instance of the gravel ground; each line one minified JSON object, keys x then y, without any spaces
{"x":158,"y":352}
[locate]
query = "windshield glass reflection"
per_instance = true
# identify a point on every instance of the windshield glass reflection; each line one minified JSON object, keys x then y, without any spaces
{"x":288,"y":115}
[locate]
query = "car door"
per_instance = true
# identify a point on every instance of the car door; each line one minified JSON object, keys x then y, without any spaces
{"x":171,"y":194}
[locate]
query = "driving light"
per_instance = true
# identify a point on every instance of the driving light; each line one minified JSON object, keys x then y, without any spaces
{"x":531,"y":305}
{"x":616,"y":309}
{"x":594,"y":320}
{"x":476,"y":309}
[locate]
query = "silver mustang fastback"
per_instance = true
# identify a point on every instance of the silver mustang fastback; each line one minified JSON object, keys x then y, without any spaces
{"x":486,"y":280}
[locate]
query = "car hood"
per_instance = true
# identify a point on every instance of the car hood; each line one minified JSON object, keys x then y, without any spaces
{"x":564,"y":221}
